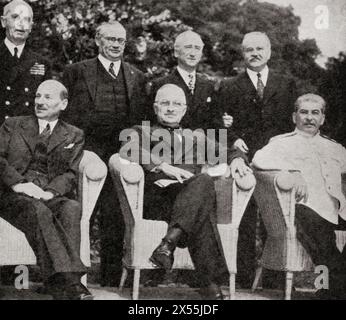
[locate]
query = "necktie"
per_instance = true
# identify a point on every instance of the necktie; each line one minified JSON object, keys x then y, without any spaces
{"x":191,"y":84}
{"x":111,"y":70}
{"x":260,"y":86}
{"x":16,"y":56}
{"x":45,"y":134}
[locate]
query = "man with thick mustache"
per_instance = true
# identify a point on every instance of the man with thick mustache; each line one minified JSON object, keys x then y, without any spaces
{"x":261,"y":103}
{"x":21,"y":69}
{"x":317,"y":162}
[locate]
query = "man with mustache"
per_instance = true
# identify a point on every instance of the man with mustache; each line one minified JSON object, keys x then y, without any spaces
{"x":107,"y":95}
{"x":318,"y":163}
{"x":261,"y":103}
{"x":39,"y":159}
{"x":21,"y":69}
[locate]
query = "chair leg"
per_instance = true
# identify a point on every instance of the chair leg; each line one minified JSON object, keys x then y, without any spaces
{"x":257,"y":278}
{"x":135,"y":291}
{"x":123,"y":279}
{"x":289,"y":284}
{"x":232,"y":286}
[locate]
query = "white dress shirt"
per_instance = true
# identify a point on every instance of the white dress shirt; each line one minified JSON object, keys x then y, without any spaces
{"x":42,"y":124}
{"x":106,"y":64}
{"x":321,"y":162}
{"x":253,"y":76}
{"x":185,"y":75}
{"x":10,"y":46}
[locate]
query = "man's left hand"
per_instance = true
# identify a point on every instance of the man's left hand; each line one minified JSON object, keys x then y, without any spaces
{"x":239,"y":167}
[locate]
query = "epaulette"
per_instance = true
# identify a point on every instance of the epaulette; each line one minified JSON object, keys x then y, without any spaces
{"x":284,"y":135}
{"x":328,"y":138}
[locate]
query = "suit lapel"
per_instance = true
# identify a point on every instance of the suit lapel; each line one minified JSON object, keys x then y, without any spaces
{"x":90,"y":76}
{"x":270,"y":88}
{"x":129,"y":79}
{"x":245,"y":85}
{"x":58,"y":136}
{"x":29,"y":132}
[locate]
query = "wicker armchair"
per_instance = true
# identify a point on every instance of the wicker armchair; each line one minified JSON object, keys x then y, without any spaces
{"x":142,"y":236}
{"x":14,"y":248}
{"x":282,"y":251}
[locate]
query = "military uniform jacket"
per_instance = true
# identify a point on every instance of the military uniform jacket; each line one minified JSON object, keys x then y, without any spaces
{"x":19,"y":81}
{"x":18,"y":138}
{"x":321,"y":162}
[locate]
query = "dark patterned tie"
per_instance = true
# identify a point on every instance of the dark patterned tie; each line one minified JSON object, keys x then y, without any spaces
{"x":45,"y":134}
{"x":191,"y":83}
{"x":260,"y":86}
{"x":111,"y":70}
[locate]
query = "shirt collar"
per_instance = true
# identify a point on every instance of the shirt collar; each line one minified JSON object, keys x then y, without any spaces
{"x":253,"y":75}
{"x":42,"y":124}
{"x":185,"y":75}
{"x":106,"y":63}
{"x":306,"y":135}
{"x":10,"y":46}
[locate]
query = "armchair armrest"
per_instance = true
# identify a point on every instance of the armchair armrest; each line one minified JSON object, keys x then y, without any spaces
{"x":92,"y":175}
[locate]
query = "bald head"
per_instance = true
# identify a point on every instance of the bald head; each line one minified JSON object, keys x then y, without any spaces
{"x":15,"y":3}
{"x":170,"y":105}
{"x":50,"y":100}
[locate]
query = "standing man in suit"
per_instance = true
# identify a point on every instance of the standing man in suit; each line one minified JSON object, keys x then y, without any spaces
{"x":261,"y":103}
{"x":177,"y":192}
{"x":199,"y":90}
{"x":107,"y":95}
{"x":41,"y":155}
{"x":21,"y":69}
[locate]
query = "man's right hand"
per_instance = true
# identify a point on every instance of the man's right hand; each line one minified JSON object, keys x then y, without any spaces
{"x":241,"y":145}
{"x":175,"y":172}
{"x":28,"y":188}
{"x":301,"y":188}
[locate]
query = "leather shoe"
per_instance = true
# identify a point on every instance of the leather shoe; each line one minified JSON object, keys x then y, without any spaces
{"x":79,"y":292}
{"x":211,"y":292}
{"x":163,"y":255}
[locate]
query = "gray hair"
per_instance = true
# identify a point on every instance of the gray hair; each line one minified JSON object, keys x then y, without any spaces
{"x":258,"y":34}
{"x":14,"y":4}
{"x":179,"y":40}
{"x":310,"y":97}
{"x":112,"y":24}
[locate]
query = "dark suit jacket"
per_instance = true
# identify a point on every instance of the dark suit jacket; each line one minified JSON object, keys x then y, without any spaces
{"x":18,"y":84}
{"x":18,"y":137}
{"x":81,"y":82}
{"x":187,"y":154}
{"x":201,"y":110}
{"x":256,"y":121}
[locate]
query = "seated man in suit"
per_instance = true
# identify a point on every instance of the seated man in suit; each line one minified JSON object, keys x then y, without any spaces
{"x":175,"y":189}
{"x":39,"y":158}
{"x":318,"y":163}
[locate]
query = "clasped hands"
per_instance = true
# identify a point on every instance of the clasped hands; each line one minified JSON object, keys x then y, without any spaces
{"x":238,"y":167}
{"x":301,"y":188}
{"x":32,"y":190}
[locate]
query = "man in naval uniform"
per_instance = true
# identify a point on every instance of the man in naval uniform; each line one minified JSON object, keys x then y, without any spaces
{"x":21,"y":69}
{"x":318,"y":164}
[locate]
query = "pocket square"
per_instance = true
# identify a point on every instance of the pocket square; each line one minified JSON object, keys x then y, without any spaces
{"x":71,"y":145}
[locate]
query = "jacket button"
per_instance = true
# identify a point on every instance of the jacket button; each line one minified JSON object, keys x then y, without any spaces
{"x":27,"y":103}
{"x":26,"y":89}
{"x":8,"y":88}
{"x":7,"y":103}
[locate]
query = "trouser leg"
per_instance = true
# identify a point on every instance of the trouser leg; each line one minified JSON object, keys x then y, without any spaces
{"x":317,"y":235}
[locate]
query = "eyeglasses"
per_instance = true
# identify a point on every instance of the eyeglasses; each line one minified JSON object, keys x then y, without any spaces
{"x":121,"y":41}
{"x":174,"y":104}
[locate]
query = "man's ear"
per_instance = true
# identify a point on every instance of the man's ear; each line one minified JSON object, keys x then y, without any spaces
{"x":64,"y":104}
{"x":3,"y":21}
{"x":184,"y":111}
{"x":156,"y":108}
{"x":294,"y":115}
{"x":176,"y":52}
